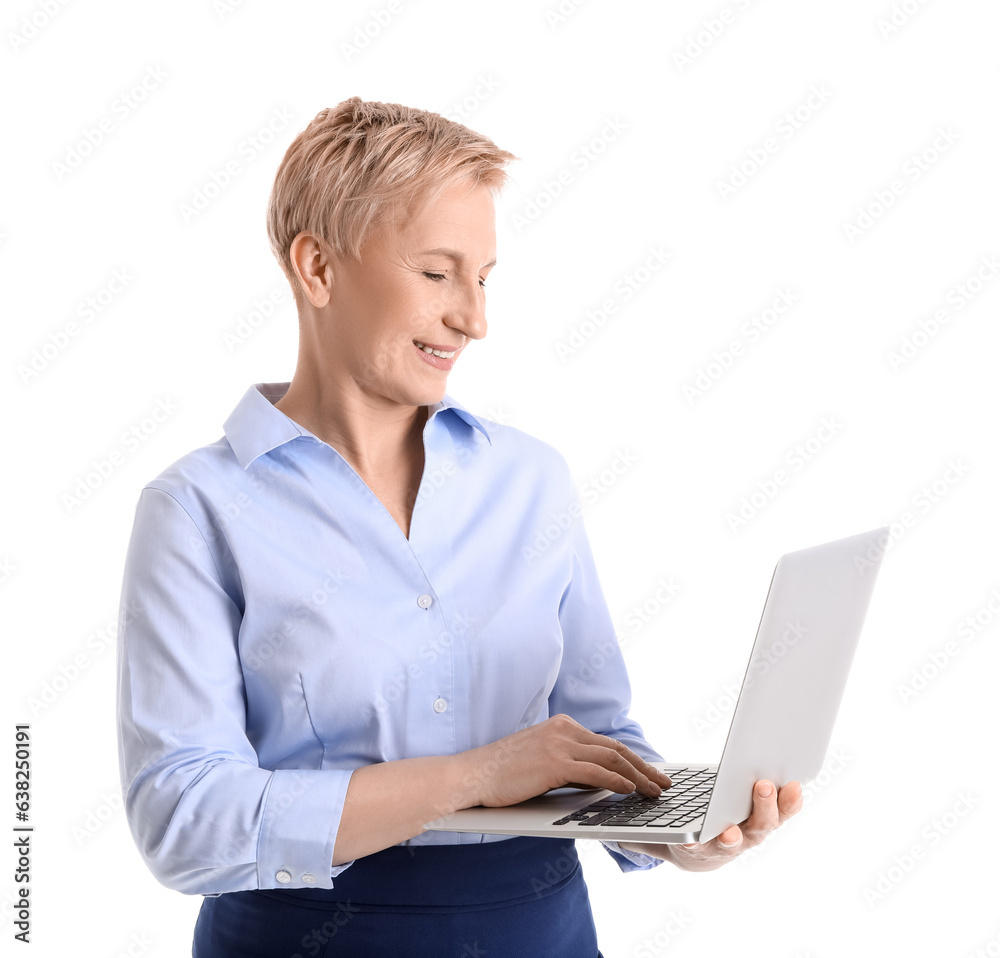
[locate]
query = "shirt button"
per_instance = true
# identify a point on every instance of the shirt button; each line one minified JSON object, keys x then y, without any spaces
{"x":308,"y":878}
{"x":424,"y":601}
{"x":283,"y":876}
{"x":440,"y":705}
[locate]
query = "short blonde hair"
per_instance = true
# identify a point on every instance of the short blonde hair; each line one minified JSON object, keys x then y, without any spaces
{"x":360,"y":165}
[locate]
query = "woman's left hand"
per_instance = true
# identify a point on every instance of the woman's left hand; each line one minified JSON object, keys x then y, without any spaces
{"x":769,"y":811}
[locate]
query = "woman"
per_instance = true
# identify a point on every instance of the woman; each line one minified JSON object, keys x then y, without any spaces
{"x":340,"y":626}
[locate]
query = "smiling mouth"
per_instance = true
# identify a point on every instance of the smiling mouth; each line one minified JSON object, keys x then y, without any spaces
{"x":440,"y":353}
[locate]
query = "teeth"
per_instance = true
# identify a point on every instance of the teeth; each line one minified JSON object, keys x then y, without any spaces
{"x":436,"y":352}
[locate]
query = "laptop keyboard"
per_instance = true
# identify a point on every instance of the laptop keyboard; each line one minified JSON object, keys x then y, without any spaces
{"x":681,"y":804}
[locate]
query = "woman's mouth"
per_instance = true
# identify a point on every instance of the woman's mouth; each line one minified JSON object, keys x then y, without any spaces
{"x":437,"y":355}
{"x":438,"y":351}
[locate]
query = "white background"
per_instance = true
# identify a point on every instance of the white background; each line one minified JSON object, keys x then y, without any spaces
{"x":915,"y":103}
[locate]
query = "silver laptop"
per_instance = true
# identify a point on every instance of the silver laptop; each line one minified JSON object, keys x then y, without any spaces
{"x":781,"y":726}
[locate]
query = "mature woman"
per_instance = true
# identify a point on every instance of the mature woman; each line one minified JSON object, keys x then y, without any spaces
{"x":337,"y":627}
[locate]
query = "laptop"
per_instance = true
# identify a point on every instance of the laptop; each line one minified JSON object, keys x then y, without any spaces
{"x":781,"y":726}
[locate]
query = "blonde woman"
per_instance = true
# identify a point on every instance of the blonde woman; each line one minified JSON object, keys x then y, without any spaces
{"x":324,"y":651}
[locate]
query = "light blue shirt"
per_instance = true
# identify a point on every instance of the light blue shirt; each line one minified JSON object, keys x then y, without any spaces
{"x":278,"y":630}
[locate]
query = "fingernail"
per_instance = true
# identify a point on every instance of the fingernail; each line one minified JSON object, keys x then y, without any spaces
{"x":764,"y":791}
{"x":729,"y":844}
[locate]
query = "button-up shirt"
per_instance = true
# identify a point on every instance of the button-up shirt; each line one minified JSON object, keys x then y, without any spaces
{"x":279,"y":630}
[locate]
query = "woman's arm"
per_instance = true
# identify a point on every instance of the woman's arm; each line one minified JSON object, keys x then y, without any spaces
{"x":205,"y":816}
{"x":389,"y":803}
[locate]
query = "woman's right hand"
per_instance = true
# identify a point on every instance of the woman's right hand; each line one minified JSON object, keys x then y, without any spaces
{"x":552,"y":754}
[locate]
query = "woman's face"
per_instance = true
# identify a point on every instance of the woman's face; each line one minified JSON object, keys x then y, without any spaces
{"x":419,"y":285}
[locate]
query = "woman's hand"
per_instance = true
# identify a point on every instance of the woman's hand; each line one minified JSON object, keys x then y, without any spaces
{"x":554,"y":753}
{"x":770,"y":809}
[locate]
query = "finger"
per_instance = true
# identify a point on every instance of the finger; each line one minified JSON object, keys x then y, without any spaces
{"x":598,"y":775}
{"x":789,"y":800}
{"x":730,"y":837}
{"x":617,"y":759}
{"x":764,"y":815}
{"x":649,"y":772}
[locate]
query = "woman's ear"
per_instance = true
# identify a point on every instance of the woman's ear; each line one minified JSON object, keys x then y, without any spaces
{"x":312,"y":261}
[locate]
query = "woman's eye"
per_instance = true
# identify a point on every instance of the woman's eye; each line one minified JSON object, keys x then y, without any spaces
{"x":434,"y":275}
{"x":482,"y":283}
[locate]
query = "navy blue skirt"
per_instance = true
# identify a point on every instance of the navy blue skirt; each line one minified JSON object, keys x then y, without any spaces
{"x":505,"y":899}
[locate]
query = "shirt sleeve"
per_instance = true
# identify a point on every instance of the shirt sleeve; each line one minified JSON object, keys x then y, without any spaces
{"x":205,"y":816}
{"x":593,"y":685}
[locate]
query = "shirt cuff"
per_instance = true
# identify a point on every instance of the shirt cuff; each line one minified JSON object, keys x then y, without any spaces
{"x":302,"y":812}
{"x":630,"y":861}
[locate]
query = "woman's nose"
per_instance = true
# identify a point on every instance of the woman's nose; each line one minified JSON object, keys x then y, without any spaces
{"x":468,"y":312}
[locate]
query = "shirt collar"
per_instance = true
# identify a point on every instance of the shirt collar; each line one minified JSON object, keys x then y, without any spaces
{"x":255,"y":427}
{"x":447,"y":403}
